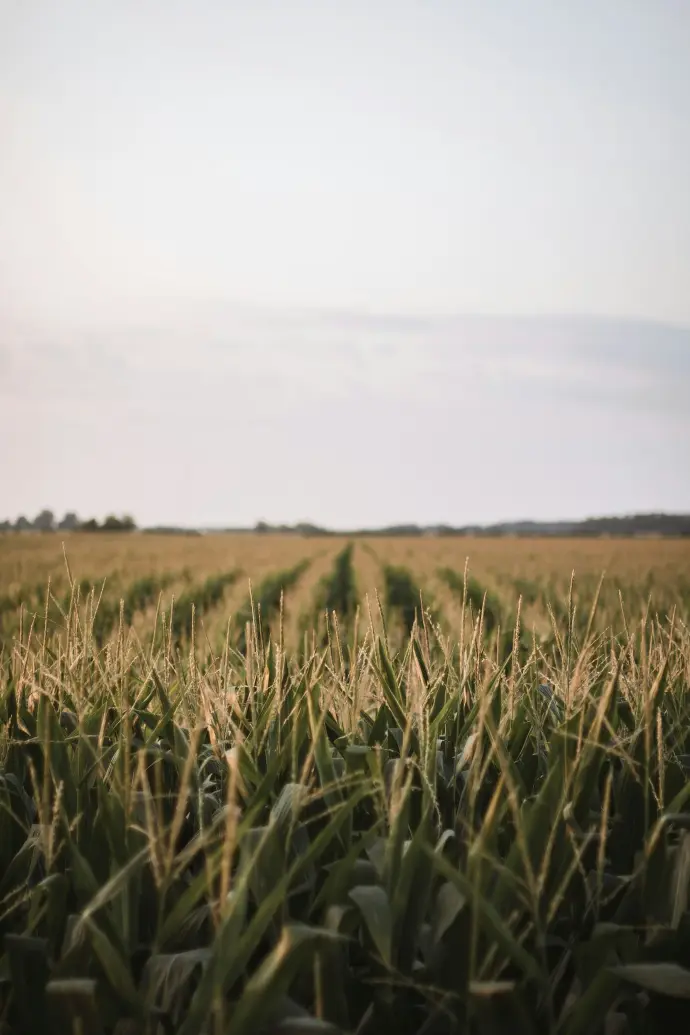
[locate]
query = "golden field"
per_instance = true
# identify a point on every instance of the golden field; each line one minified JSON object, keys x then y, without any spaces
{"x":229,"y":815}
{"x":637,"y":572}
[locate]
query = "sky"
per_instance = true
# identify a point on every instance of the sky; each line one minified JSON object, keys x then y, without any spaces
{"x":355,"y":263}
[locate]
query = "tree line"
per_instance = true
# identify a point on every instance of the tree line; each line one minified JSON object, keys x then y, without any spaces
{"x":46,"y":521}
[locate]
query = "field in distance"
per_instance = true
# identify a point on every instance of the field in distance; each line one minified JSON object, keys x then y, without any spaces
{"x":151,"y":575}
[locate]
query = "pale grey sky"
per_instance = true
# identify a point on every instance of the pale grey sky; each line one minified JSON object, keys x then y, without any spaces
{"x":341,"y":261}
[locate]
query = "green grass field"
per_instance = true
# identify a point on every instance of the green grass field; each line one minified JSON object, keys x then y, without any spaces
{"x":459,"y":805}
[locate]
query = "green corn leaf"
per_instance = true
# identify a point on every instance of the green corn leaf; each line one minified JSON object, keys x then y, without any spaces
{"x":372,"y":902}
{"x":305,"y":1026}
{"x":448,"y":904}
{"x":270,"y":983}
{"x":168,"y":980}
{"x":489,"y":919}
{"x":662,"y":978}
{"x":390,"y":687}
{"x":115,"y":967}
{"x":592,"y":1005}
{"x":410,"y":899}
{"x":117,"y":884}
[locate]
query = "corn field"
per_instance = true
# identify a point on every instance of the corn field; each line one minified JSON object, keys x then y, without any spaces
{"x":459,"y":804}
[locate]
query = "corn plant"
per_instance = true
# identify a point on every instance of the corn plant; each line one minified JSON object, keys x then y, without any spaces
{"x":443,"y":842}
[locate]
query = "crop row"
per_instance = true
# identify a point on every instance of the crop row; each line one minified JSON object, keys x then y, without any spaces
{"x":336,"y":594}
{"x":482,"y":848}
{"x":262,"y":607}
{"x":194,"y":603}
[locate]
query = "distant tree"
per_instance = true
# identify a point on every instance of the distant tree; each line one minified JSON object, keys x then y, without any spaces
{"x":5,"y":526}
{"x":116,"y":524}
{"x":305,"y":528}
{"x":45,"y":521}
{"x":89,"y":526}
{"x":22,"y":524}
{"x":262,"y":527}
{"x":70,"y":522}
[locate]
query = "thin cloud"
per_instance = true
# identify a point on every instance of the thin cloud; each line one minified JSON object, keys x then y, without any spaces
{"x":624,"y":362}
